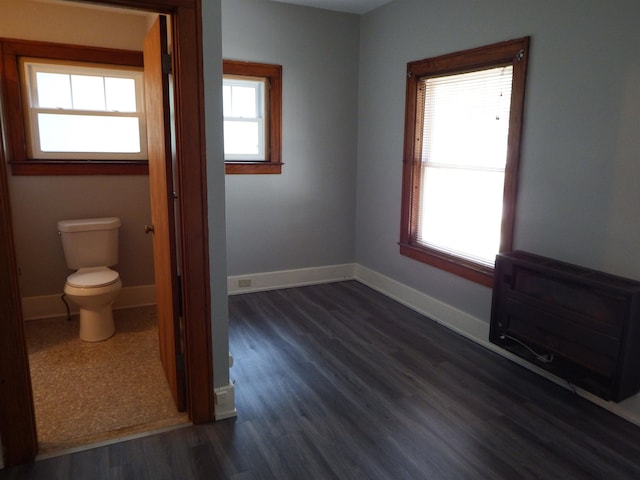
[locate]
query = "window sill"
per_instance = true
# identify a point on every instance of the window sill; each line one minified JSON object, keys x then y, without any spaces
{"x":472,"y":271}
{"x":37,"y":167}
{"x":253,"y":168}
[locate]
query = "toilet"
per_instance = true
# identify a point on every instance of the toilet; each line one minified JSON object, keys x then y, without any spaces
{"x":90,"y":247}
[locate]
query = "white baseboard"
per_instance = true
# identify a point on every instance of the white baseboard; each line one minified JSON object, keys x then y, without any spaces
{"x":47,"y":306}
{"x":257,"y":282}
{"x":225,"y":404}
{"x":440,"y":312}
{"x":139,"y":296}
{"x":478,"y":331}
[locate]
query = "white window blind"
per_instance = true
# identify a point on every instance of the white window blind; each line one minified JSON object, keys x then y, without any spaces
{"x":465,"y":126}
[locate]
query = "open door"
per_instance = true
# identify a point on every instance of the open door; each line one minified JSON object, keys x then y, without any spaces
{"x":157,"y":63}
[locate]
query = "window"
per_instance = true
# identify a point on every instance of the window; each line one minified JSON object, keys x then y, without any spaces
{"x":80,"y":112}
{"x":73,"y":110}
{"x":244,"y":125}
{"x":463,"y":125}
{"x":252,"y":100}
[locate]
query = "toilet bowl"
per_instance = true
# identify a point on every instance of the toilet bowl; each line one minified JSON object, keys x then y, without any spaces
{"x":94,"y":291}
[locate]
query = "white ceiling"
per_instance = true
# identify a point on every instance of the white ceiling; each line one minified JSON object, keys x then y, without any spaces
{"x":351,"y":6}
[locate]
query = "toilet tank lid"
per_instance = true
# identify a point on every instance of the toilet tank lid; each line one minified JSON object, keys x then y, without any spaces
{"x":88,"y":224}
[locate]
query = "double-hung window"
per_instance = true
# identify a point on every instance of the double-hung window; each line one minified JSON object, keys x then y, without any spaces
{"x":72,"y":110}
{"x":462,"y":133}
{"x":75,"y":111}
{"x":245,"y":130}
{"x":252,"y":104}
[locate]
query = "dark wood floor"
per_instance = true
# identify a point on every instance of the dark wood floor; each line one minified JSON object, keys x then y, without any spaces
{"x":339,"y":382}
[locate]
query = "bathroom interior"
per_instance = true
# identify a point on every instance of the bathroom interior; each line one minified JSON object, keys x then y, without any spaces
{"x":87,"y":391}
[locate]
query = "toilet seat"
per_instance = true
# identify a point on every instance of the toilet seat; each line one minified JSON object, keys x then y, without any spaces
{"x":93,"y":277}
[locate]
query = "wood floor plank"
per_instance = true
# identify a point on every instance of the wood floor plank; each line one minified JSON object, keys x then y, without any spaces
{"x":337,"y":381}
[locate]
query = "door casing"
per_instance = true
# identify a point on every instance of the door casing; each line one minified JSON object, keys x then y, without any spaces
{"x":17,"y":420}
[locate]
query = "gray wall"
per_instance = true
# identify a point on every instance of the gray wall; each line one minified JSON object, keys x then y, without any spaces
{"x":212,"y":60}
{"x":305,"y":216}
{"x":579,"y":198}
{"x":38,"y":202}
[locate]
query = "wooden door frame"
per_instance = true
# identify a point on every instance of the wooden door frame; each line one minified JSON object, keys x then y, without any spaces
{"x":17,"y":419}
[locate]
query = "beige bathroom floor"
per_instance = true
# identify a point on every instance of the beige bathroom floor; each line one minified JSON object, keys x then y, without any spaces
{"x":93,"y":392}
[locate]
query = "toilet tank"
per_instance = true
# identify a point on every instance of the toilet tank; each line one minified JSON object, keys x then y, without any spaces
{"x":90,"y":242}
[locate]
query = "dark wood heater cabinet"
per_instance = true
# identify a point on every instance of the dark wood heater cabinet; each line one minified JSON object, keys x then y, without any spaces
{"x":579,"y":324}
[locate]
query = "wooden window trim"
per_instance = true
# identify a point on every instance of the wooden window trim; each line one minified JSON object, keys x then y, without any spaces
{"x":13,"y":112}
{"x":273,"y":164}
{"x":512,"y":52}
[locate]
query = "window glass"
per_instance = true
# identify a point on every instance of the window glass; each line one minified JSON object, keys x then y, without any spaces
{"x":53,"y":90}
{"x":88,"y":134}
{"x":241,"y":138}
{"x":87,"y":92}
{"x":120,"y":94}
{"x":242,"y":101}
{"x":461,"y":212}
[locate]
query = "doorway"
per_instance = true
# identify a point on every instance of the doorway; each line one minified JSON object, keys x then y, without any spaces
{"x":16,"y":410}
{"x":69,"y":408}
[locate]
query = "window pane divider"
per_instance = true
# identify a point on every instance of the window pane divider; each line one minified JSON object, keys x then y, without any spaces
{"x":462,"y":167}
{"x":93,"y":113}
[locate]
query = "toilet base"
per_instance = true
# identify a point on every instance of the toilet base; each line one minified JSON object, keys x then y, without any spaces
{"x":96,"y":324}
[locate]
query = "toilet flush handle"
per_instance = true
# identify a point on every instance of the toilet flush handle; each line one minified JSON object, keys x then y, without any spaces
{"x":148,"y":229}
